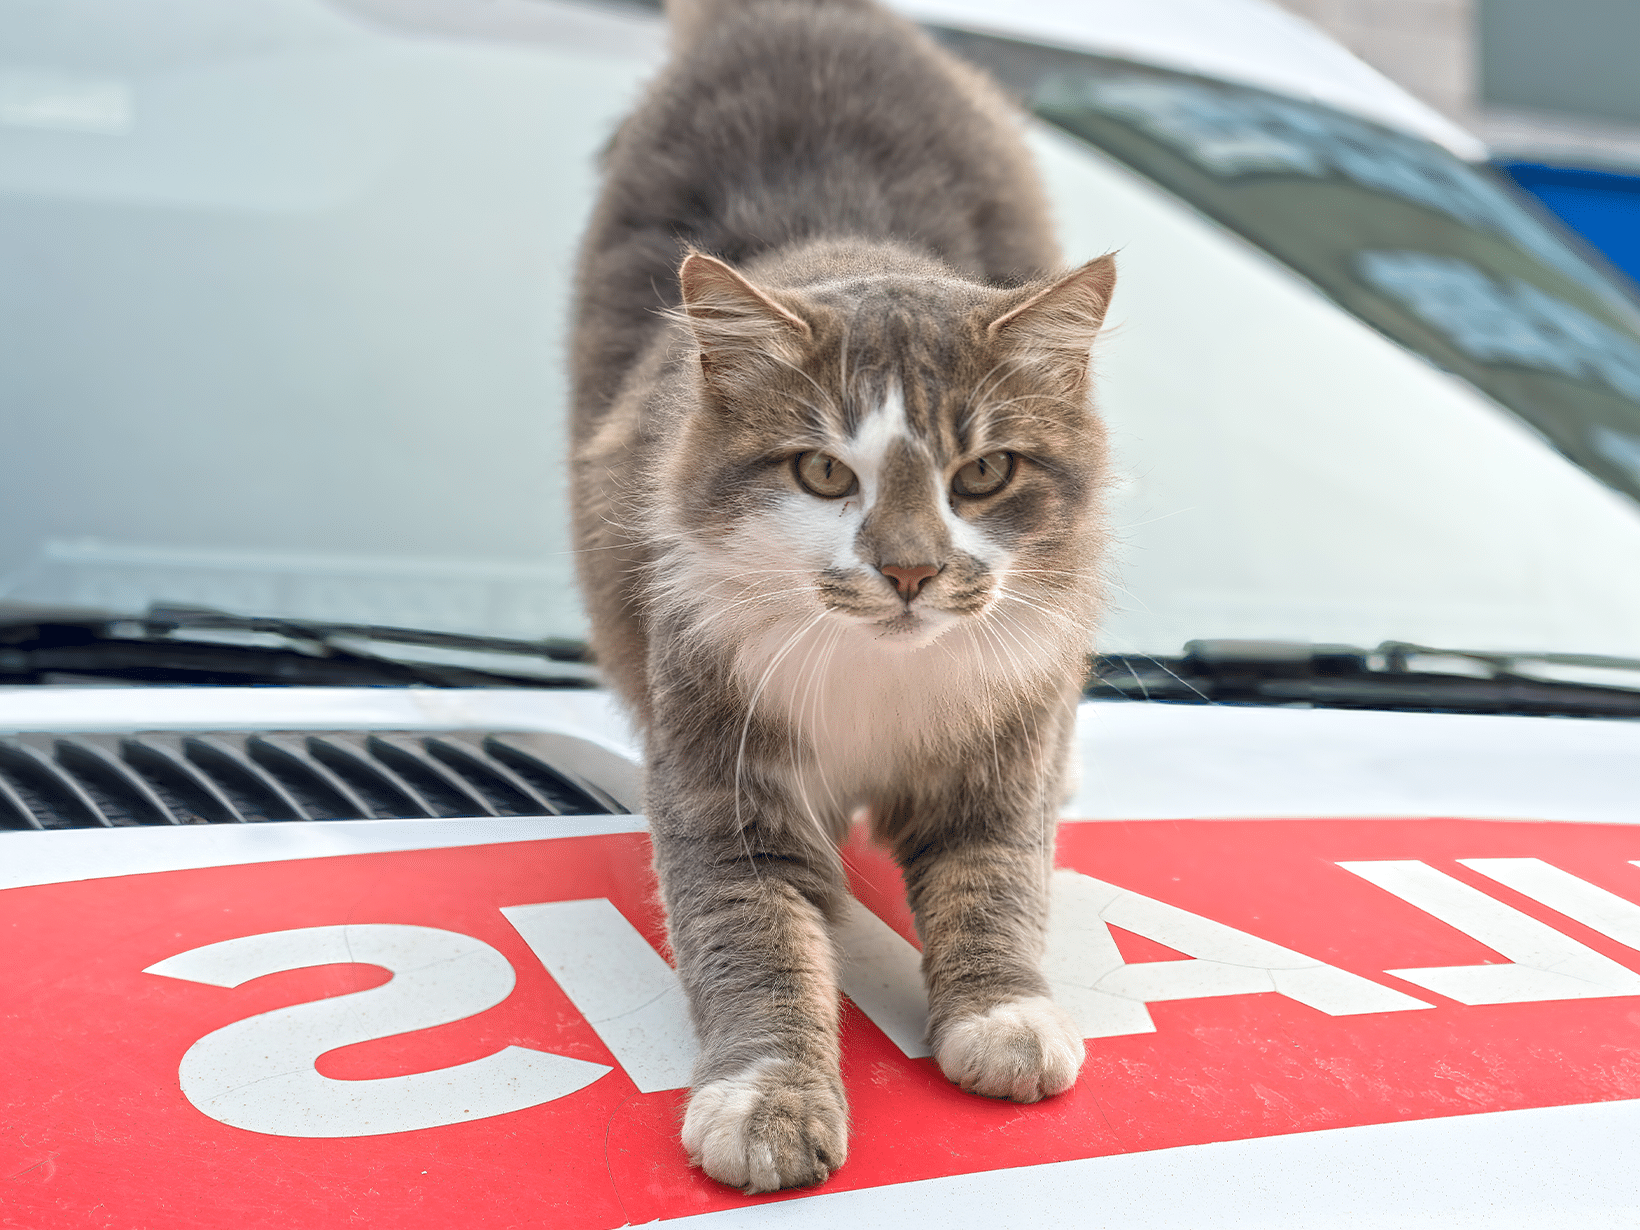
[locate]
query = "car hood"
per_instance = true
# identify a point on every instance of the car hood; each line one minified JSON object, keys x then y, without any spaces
{"x":1330,"y":966}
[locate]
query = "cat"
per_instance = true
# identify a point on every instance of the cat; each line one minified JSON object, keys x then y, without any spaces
{"x":837,"y":486}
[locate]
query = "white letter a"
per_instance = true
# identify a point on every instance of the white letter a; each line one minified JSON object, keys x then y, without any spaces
{"x":1107,"y":996}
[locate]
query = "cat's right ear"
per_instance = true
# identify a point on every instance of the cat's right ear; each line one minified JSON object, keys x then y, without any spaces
{"x":731,"y":316}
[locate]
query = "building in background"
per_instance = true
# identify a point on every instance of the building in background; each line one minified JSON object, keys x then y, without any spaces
{"x":1552,"y":86}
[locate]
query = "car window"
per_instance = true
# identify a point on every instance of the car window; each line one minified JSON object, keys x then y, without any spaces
{"x":285,"y":288}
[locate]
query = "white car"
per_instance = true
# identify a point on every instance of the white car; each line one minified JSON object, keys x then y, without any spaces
{"x":321,"y":893}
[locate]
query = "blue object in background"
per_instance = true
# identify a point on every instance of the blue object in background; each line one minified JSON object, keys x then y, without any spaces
{"x":1601,"y":206}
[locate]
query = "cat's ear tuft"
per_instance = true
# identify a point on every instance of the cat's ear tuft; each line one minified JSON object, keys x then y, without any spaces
{"x":1064,"y":316}
{"x":728,"y":313}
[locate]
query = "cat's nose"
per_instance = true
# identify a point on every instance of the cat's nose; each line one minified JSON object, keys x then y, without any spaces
{"x":908,"y":580}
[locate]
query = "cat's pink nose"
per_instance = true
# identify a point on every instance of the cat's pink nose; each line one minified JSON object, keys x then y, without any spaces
{"x":908,"y":580}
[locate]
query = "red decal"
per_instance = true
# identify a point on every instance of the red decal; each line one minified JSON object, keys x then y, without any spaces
{"x":96,"y":1126}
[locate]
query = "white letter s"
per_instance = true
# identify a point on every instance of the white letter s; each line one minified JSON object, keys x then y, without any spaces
{"x":258,"y":1073}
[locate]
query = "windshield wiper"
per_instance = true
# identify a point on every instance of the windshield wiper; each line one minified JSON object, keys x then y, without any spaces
{"x":173,"y":644}
{"x":1397,"y":675}
{"x":169,"y":617}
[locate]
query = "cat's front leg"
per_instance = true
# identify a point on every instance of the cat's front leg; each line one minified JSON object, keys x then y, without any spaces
{"x":977,"y":876}
{"x":746,"y":904}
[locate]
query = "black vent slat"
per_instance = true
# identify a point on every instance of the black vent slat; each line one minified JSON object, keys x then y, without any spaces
{"x":256,"y":793}
{"x":566,"y":797}
{"x":192,"y":796}
{"x":123,"y":795}
{"x":15,"y":813}
{"x":322,"y":794}
{"x":54,"y":794}
{"x":448,"y":793}
{"x":51,"y":794}
{"x":386,"y":793}
{"x":508,"y":793}
{"x":614,"y":781}
{"x":65,"y":780}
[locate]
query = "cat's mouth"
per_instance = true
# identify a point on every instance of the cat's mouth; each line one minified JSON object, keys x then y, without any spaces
{"x":913,"y":626}
{"x":909,"y":625}
{"x":901,"y":622}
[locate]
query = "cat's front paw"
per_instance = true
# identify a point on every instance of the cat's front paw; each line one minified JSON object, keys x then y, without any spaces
{"x":1023,"y":1049}
{"x":767,"y":1128}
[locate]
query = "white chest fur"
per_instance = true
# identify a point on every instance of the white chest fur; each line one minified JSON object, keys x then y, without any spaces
{"x":863,"y":708}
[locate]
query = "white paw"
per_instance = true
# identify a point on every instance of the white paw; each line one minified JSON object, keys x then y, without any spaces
{"x":1025,"y":1049}
{"x":767,"y":1128}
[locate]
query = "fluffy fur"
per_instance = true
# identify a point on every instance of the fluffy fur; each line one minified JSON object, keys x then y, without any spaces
{"x":821,"y":243}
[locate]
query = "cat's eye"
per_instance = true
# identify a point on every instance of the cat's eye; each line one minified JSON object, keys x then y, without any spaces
{"x":985,"y":475}
{"x":824,"y":475}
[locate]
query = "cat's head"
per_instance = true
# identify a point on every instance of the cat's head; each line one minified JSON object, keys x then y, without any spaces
{"x":901,"y":449}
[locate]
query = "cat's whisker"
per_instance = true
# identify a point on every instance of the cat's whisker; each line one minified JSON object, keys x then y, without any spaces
{"x":817,"y":723}
{"x":1062,"y":617}
{"x":1018,"y":649}
{"x":1015,"y":571}
{"x":689,"y":589}
{"x":1007,"y":366}
{"x":1018,"y":397}
{"x":1139,"y":679}
{"x":809,"y":692}
{"x":751,"y":708}
{"x":1168,"y":671}
{"x":810,"y":706}
{"x":992,"y":632}
{"x":1128,"y":526}
{"x":983,"y":386}
{"x":990,"y":712}
{"x":819,"y":388}
{"x":994,"y":421}
{"x":1116,"y":587}
{"x":823,"y":715}
{"x":842,"y":363}
{"x":1033,"y":739}
{"x":724,"y":611}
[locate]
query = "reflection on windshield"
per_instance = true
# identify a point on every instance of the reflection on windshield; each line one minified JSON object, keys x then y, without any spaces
{"x":1230,"y":132}
{"x":1415,"y":242}
{"x":1505,"y":322}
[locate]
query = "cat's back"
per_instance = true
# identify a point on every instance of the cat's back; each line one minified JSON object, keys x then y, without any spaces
{"x":780,"y":121}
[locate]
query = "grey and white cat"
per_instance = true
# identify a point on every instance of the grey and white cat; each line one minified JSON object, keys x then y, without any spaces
{"x":837,"y":491}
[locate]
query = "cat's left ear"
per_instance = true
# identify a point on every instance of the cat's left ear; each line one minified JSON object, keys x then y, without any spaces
{"x":730,"y":315}
{"x":1064,"y":317}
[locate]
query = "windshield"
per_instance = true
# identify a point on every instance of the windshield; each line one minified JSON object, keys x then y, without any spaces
{"x":284,"y":285}
{"x":1435,"y":253}
{"x":284,"y":292}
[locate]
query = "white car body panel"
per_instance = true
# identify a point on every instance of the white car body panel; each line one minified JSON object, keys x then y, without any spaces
{"x":1510,"y":1170}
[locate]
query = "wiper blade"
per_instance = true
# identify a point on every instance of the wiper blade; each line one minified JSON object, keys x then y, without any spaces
{"x":1399,"y":652}
{"x":42,"y":645}
{"x":167,"y":617}
{"x":1397,"y":675}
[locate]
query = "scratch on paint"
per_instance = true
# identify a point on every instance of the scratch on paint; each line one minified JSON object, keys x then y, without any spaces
{"x":609,"y":1124}
{"x":47,"y":1165}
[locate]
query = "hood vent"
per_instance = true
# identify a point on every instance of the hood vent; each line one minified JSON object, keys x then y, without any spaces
{"x":66,"y":781}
